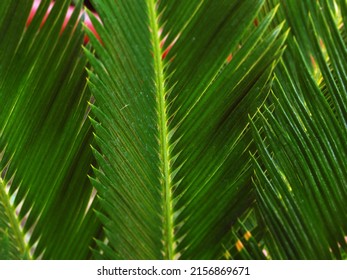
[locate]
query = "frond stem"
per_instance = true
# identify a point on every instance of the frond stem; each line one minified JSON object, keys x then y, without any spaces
{"x":169,"y":252}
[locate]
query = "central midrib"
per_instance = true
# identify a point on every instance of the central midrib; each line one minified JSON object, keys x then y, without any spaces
{"x":169,"y":252}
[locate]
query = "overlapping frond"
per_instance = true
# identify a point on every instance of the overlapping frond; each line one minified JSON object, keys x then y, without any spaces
{"x":189,"y":154}
{"x":301,"y":173}
{"x":44,"y":138}
{"x":171,"y":121}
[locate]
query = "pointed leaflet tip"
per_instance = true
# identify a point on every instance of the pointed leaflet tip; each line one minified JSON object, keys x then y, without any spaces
{"x":165,"y":53}
{"x":84,"y":15}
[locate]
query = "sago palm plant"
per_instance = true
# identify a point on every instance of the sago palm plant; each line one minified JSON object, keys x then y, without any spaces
{"x":196,"y":129}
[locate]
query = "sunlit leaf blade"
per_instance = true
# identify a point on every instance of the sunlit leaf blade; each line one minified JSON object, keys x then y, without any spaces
{"x":171,"y":122}
{"x":44,"y":137}
{"x":301,"y":173}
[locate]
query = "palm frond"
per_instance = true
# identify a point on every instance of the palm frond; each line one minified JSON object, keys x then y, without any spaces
{"x":44,"y":138}
{"x":171,"y":123}
{"x":301,"y":173}
{"x":185,"y":130}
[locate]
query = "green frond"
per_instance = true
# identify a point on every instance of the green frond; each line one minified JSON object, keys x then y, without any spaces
{"x":44,"y":138}
{"x":301,"y":172}
{"x":171,"y":122}
{"x":195,"y":129}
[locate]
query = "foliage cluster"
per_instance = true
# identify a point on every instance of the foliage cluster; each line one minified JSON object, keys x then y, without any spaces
{"x":197,"y":129}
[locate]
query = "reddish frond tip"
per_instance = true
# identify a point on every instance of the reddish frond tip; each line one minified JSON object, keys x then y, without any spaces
{"x":166,"y":51}
{"x":256,"y":22}
{"x":230,"y":57}
{"x":164,"y":54}
{"x":33,"y":11}
{"x":88,"y":23}
{"x":68,"y":15}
